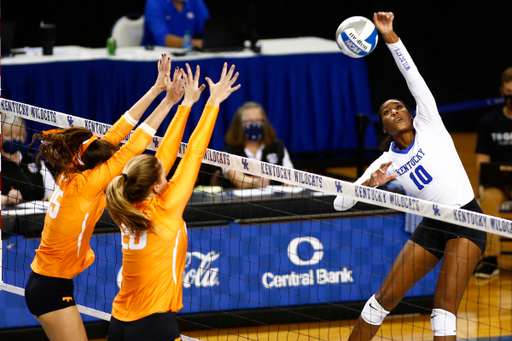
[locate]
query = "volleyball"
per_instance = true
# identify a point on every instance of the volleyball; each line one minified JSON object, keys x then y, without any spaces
{"x":357,"y":37}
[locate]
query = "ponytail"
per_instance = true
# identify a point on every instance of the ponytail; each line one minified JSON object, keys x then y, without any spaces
{"x":131,"y":187}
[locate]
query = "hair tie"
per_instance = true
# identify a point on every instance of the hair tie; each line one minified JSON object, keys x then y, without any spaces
{"x":125,"y":176}
{"x":83,"y":147}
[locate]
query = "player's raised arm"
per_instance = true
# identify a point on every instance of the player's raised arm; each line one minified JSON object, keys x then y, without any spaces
{"x":168,"y":150}
{"x":184,"y":179}
{"x":175,"y":91}
{"x":161,"y":84}
{"x":125,"y":124}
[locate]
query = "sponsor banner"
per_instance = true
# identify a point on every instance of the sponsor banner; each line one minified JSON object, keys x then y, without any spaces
{"x":247,"y":266}
{"x":294,"y":177}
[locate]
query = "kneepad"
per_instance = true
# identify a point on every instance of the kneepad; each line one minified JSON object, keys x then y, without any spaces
{"x":373,"y":313}
{"x":443,"y":322}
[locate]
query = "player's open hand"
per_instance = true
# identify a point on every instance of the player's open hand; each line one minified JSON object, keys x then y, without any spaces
{"x":221,"y":90}
{"x":192,"y":89}
{"x":379,"y":177}
{"x":164,"y":71}
{"x":176,"y":88}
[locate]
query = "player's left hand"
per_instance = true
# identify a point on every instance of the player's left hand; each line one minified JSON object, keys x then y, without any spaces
{"x":164,"y":70}
{"x":379,"y":177}
{"x":176,"y":88}
{"x":192,"y":89}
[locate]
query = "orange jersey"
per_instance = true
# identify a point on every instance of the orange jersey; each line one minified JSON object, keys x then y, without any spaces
{"x":77,"y":205}
{"x":154,"y":260}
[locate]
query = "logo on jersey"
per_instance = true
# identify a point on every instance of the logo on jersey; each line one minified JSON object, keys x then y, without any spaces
{"x":32,"y":167}
{"x":272,"y":158}
{"x":502,"y":138}
{"x":67,"y":299}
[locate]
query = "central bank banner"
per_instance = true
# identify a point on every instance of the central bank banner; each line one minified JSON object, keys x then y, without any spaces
{"x":248,"y":266}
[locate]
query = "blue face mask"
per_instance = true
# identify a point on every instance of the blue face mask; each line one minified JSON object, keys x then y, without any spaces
{"x":12,"y":146}
{"x":254,"y":131}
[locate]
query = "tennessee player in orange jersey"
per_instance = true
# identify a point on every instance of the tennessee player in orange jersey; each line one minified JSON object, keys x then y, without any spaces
{"x":85,"y":164}
{"x":149,"y":210}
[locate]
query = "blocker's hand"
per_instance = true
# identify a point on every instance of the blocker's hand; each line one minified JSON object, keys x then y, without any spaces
{"x":221,"y":90}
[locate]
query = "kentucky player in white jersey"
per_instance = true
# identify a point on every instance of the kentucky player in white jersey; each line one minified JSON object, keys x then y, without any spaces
{"x":423,"y":158}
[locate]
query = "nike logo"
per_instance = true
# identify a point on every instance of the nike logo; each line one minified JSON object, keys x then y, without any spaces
{"x":373,"y":307}
{"x":433,"y":316}
{"x":67,"y":299}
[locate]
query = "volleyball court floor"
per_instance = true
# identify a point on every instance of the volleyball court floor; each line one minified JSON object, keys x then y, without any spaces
{"x":484,"y":315}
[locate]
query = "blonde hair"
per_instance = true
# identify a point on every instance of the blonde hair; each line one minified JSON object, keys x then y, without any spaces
{"x":131,"y":187}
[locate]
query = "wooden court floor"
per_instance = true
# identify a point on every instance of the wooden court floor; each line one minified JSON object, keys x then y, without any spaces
{"x":485,"y":314}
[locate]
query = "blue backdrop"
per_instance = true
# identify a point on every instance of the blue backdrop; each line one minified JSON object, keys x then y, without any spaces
{"x":311,"y":99}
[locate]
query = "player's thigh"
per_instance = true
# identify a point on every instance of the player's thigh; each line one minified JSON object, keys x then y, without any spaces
{"x":64,"y":324}
{"x":411,"y":265}
{"x":460,"y":259}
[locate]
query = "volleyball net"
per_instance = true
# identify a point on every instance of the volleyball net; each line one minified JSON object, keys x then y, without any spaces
{"x":270,"y":258}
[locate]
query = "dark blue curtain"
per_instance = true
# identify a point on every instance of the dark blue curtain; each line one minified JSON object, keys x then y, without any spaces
{"x":311,"y":99}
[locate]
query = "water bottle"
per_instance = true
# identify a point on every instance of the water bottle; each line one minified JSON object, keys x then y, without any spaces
{"x":187,"y":41}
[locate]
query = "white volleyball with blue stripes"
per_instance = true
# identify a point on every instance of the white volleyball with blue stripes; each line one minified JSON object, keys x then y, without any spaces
{"x":357,"y":37}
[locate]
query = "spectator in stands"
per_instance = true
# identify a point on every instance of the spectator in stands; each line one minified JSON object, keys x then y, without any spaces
{"x":251,"y":135}
{"x":166,"y":22}
{"x":494,"y":144}
{"x":24,"y":177}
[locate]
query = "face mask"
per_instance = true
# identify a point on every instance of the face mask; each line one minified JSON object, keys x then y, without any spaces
{"x":254,"y":131}
{"x":12,"y":146}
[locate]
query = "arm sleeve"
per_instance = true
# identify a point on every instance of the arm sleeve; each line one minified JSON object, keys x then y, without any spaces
{"x":155,"y":17}
{"x":341,"y":203}
{"x":426,"y":111}
{"x":175,"y":195}
{"x":168,"y":150}
{"x":100,"y":177}
{"x":119,"y":130}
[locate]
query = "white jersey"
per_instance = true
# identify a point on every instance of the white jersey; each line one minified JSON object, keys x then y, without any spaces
{"x":430,"y":167}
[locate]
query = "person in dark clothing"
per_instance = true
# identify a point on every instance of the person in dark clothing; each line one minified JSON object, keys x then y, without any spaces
{"x":252,"y":136}
{"x":24,"y":177}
